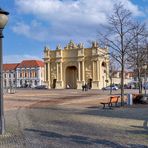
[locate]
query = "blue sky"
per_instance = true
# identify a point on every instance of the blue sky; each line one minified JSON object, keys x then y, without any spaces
{"x":34,"y":24}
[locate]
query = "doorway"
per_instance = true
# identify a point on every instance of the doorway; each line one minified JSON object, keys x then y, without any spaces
{"x":54,"y":83}
{"x":71,"y":77}
{"x":89,"y":83}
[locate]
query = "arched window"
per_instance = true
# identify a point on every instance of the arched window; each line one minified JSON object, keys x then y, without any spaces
{"x":103,"y":64}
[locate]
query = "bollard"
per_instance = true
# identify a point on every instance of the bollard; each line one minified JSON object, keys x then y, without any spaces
{"x":129,"y":99}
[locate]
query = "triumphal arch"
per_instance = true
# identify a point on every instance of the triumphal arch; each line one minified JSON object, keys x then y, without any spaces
{"x":76,"y":65}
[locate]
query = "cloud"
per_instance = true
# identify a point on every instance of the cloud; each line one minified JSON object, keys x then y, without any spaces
{"x":33,"y":30}
{"x":66,"y":19}
{"x":19,"y":58}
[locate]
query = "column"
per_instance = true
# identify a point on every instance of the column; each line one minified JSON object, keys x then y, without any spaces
{"x":83,"y":71}
{"x":57,"y":71}
{"x":48,"y":72}
{"x":79,"y":71}
{"x":98,"y":70}
{"x":45,"y":70}
{"x":61,"y":72}
{"x":93,"y":70}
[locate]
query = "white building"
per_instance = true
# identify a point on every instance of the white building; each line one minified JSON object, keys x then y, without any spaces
{"x":30,"y":73}
{"x":9,"y":75}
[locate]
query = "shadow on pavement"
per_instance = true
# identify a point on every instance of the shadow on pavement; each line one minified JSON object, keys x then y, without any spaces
{"x":76,"y":138}
{"x":118,"y":112}
{"x":143,"y":129}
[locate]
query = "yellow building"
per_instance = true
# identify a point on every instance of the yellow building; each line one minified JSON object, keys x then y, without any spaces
{"x":75,"y":66}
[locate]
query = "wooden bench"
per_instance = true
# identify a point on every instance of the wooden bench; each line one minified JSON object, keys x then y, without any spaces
{"x":113,"y":99}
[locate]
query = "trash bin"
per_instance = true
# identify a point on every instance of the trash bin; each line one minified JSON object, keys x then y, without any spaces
{"x":11,"y":90}
{"x":8,"y":90}
{"x":129,"y":99}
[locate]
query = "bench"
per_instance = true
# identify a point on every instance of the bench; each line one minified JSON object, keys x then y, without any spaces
{"x":113,"y":99}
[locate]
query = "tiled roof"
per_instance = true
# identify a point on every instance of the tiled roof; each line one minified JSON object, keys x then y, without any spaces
{"x":31,"y":63}
{"x":7,"y":67}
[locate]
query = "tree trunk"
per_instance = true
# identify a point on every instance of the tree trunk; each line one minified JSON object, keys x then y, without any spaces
{"x":122,"y":66}
{"x":122,"y":85}
{"x":139,"y":82}
{"x":111,"y":85}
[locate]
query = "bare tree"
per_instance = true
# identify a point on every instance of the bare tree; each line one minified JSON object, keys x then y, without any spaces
{"x":137,"y":53}
{"x":118,"y":37}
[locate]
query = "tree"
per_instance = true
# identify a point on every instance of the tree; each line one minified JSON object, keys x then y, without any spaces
{"x":137,"y":53}
{"x":119,"y":37}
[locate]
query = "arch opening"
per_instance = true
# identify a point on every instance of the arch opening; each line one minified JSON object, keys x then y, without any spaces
{"x":71,"y":77}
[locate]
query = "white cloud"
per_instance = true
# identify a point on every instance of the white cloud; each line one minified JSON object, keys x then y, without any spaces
{"x":33,"y":30}
{"x":19,"y":58}
{"x":67,"y":19}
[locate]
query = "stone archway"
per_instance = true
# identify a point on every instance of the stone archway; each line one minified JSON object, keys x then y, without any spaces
{"x":71,"y":77}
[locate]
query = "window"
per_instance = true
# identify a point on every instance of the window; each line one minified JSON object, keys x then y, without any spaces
{"x":21,"y":82}
{"x":5,"y":83}
{"x":10,"y":83}
{"x":103,"y":64}
{"x":35,"y":82}
{"x":35,"y":73}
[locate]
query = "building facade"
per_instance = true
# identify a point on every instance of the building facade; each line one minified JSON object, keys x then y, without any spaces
{"x":9,"y":75}
{"x":28,"y":73}
{"x":128,"y":77}
{"x":75,"y":66}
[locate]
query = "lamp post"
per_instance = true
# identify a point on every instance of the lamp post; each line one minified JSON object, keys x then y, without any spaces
{"x":3,"y":22}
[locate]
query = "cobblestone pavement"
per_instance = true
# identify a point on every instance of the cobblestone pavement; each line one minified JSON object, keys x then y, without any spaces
{"x":33,"y":97}
{"x":65,"y":125}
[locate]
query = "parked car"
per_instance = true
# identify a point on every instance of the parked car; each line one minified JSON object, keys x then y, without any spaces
{"x":41,"y":87}
{"x":145,"y":86}
{"x":111,"y":87}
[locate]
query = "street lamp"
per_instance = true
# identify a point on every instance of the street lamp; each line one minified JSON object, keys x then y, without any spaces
{"x":3,"y":22}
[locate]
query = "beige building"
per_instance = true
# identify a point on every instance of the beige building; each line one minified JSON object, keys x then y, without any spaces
{"x":75,"y":66}
{"x":128,"y":77}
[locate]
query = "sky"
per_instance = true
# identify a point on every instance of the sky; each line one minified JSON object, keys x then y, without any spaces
{"x":34,"y":24}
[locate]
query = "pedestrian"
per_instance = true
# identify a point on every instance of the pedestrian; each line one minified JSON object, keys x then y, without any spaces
{"x":83,"y":87}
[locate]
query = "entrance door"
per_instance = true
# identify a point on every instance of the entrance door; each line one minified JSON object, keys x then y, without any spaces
{"x":54,"y":83}
{"x":89,"y":83}
{"x":71,"y":77}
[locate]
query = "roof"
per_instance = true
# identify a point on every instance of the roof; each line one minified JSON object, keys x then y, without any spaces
{"x":7,"y":67}
{"x":30,"y":64}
